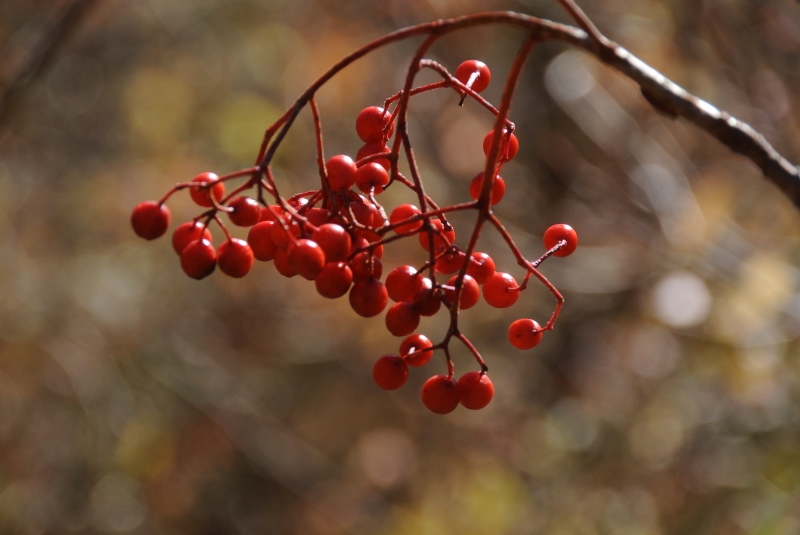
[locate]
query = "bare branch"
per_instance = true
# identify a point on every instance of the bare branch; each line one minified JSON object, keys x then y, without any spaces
{"x":54,"y":37}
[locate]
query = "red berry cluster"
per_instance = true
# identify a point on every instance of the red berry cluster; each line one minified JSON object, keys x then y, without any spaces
{"x":335,"y":236}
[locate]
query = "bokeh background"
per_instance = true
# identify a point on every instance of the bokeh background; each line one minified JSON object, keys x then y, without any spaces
{"x":134,"y":400}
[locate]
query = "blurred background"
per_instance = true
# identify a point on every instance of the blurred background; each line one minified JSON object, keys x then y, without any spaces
{"x":135,"y":400}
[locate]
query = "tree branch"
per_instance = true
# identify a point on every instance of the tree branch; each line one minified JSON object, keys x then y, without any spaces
{"x":664,"y":94}
{"x":44,"y":51}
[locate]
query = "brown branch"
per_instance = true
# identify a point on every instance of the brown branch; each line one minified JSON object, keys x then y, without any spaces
{"x":43,"y":53}
{"x":663,"y":93}
{"x":738,"y":136}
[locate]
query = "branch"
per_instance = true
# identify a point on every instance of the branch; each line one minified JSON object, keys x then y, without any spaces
{"x":662,"y":93}
{"x":54,"y":37}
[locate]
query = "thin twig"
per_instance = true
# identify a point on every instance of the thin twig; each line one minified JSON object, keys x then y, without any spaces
{"x":45,"y":50}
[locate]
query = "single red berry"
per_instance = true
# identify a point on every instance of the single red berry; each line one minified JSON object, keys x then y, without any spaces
{"x":403,"y":283}
{"x":202,"y":196}
{"x":334,"y":240}
{"x":498,"y":190}
{"x":501,"y":291}
{"x":524,"y":334}
{"x":371,"y":177}
{"x":235,"y":258}
{"x":246,"y":212}
{"x":318,"y":216}
{"x":509,"y":147}
{"x":198,"y":259}
{"x":390,"y":372}
{"x":470,"y":292}
{"x":188,"y":232}
{"x":306,"y":258}
{"x":475,"y":390}
{"x":341,"y":172}
{"x":365,"y":265}
{"x":150,"y":219}
{"x":270,"y":213}
{"x":279,"y":234}
{"x":440,"y":394}
{"x":402,"y":319}
{"x":481,"y":267}
{"x":371,"y":122}
{"x":441,"y":237}
{"x":427,"y":300}
{"x":260,"y":240}
{"x":281,"y":262}
{"x":377,"y":147}
{"x":416,"y":350}
{"x":483,"y":76}
{"x":368,"y":297}
{"x":334,"y":280}
{"x":400,"y":214}
{"x":555,"y":234}
{"x":451,"y":261}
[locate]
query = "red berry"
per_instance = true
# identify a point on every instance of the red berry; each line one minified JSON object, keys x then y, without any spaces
{"x":260,"y":240}
{"x":150,"y":219}
{"x":402,"y":319}
{"x":440,"y":394}
{"x":341,"y":172}
{"x":403,"y":283}
{"x":441,"y":238}
{"x":235,"y":258}
{"x":306,"y":258}
{"x":365,"y":265}
{"x":202,"y":196}
{"x":498,"y":190}
{"x":555,"y":234}
{"x":470,"y":292}
{"x":390,"y":372}
{"x":366,"y":237}
{"x":246,"y":212}
{"x":318,"y":216}
{"x":501,"y":290}
{"x":268,"y":213}
{"x":198,"y":259}
{"x":279,"y":235}
{"x":481,"y":267}
{"x":364,"y":212}
{"x":475,"y":390}
{"x":368,"y":297}
{"x":281,"y":261}
{"x":371,"y":122}
{"x":374,"y":148}
{"x":465,"y":70}
{"x":334,"y":240}
{"x":511,"y":146}
{"x":451,"y":261}
{"x":400,"y":214}
{"x":427,"y":300}
{"x":188,"y":232}
{"x":371,"y":176}
{"x":334,"y":280}
{"x":524,"y":334}
{"x":415,"y":349}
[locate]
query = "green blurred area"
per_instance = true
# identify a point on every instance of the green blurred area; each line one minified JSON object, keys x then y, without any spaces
{"x":134,"y":400}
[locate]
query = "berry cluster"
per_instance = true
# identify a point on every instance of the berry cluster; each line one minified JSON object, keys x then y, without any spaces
{"x":335,"y":236}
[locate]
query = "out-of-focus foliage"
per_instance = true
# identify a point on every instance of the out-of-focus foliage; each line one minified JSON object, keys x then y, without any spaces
{"x":135,"y":400}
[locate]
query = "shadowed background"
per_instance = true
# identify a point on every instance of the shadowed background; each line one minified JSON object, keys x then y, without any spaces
{"x":135,"y":400}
